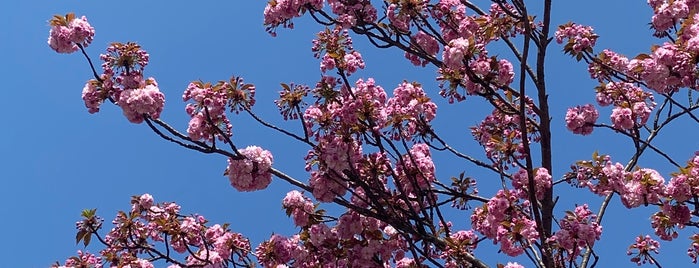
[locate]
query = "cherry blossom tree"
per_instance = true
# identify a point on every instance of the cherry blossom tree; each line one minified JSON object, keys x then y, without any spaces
{"x":371,"y":149}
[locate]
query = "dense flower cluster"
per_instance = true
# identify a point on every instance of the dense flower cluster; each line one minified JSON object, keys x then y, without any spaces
{"x":459,"y":243}
{"x":280,"y":12}
{"x":579,"y":229}
{"x":68,"y":32}
{"x":208,"y":108}
{"x":542,"y":182}
{"x":505,"y":220}
{"x":354,"y":241}
{"x":135,"y":234}
{"x":422,"y":43}
{"x":122,"y":82}
{"x":299,"y":207}
{"x":501,"y":135}
{"x":336,"y":49}
{"x":667,"y":13}
{"x":580,"y":38}
{"x":670,"y":217}
{"x":409,"y":110}
{"x":252,"y":172}
{"x":581,"y":119}
{"x":352,"y":13}
{"x":641,"y":187}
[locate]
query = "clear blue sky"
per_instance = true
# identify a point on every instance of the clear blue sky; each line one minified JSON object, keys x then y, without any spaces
{"x":57,"y":159}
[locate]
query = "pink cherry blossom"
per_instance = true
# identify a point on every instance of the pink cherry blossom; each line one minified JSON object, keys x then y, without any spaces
{"x":353,"y":13}
{"x":408,"y":109}
{"x":140,"y":102}
{"x":422,"y":42}
{"x":513,"y":265}
{"x":581,"y":119}
{"x":579,"y":229}
{"x":281,"y":12}
{"x":251,"y":173}
{"x":580,"y":38}
{"x":68,"y":32}
{"x":642,"y":248}
{"x":542,"y":182}
{"x":455,"y":53}
{"x":299,"y":207}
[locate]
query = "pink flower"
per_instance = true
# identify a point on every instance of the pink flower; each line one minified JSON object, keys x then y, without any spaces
{"x":251,"y":173}
{"x":281,"y":12}
{"x":642,"y":187}
{"x":542,"y":182}
{"x":579,"y":229}
{"x":139,"y":102}
{"x":455,"y":53}
{"x":298,"y":207}
{"x":68,"y":32}
{"x":422,"y":42}
{"x":580,"y":38}
{"x":513,"y":265}
{"x":643,"y":247}
{"x":622,"y":118}
{"x":581,"y":119}
{"x":408,"y":108}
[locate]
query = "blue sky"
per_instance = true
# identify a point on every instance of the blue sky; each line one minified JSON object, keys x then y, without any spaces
{"x":58,"y":159}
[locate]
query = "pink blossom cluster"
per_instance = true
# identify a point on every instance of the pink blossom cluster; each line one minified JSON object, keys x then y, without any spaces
{"x":667,"y":13}
{"x":670,"y":216}
{"x":280,"y":12}
{"x":151,"y":229}
{"x":338,"y":52}
{"x":579,"y":38}
{"x":139,"y":102}
{"x":84,"y":259}
{"x":416,"y":171}
{"x":542,"y":182}
{"x":334,"y":158}
{"x":606,"y":64}
{"x":668,"y":68}
{"x":453,"y":21}
{"x":353,"y":13}
{"x":208,"y":108}
{"x":685,"y":184}
{"x":399,"y":20}
{"x":504,"y":219}
{"x":498,"y":73}
{"x":581,"y":119}
{"x":422,"y":43}
{"x":299,"y":207}
{"x":640,"y":187}
{"x":252,"y":171}
{"x":459,"y":243}
{"x":500,"y":133}
{"x":123,"y":83}
{"x":348,"y":111}
{"x":355,"y":241}
{"x":68,"y":32}
{"x":642,"y":249}
{"x":456,"y":53}
{"x":632,"y":105}
{"x":409,"y":110}
{"x":579,"y":229}
{"x":693,"y":251}
{"x":208,"y":112}
{"x":689,"y":39}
